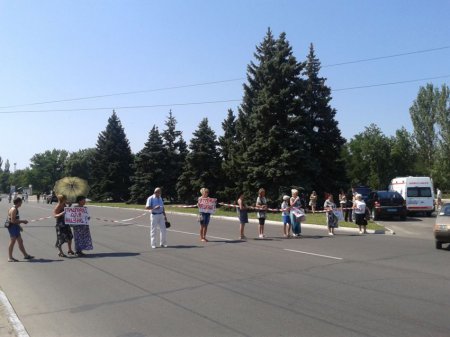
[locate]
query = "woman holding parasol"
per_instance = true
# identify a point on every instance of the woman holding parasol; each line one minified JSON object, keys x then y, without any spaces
{"x":69,"y":189}
{"x":63,"y":231}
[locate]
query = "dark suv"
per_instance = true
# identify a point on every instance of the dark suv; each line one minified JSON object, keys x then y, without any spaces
{"x":364,"y":191}
{"x":386,"y":204}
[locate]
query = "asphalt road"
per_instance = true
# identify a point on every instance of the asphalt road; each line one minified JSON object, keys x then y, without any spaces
{"x":418,"y":227}
{"x":346,"y":285}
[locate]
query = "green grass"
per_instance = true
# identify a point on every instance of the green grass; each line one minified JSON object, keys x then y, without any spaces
{"x":316,"y":219}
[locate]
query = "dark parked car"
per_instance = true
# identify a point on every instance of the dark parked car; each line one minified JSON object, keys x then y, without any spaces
{"x":386,"y":204}
{"x":364,"y":191}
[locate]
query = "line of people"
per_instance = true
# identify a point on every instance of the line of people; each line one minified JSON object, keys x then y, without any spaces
{"x":292,"y":217}
{"x":292,"y":214}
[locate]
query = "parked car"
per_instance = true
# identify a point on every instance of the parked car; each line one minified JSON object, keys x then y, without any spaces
{"x":386,"y":204}
{"x":442,"y":226}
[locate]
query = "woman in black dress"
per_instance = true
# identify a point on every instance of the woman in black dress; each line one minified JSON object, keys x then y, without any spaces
{"x":63,"y":231}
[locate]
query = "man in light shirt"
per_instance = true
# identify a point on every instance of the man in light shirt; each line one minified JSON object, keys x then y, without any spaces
{"x":157,"y":218}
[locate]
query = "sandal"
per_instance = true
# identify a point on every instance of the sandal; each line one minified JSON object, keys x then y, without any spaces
{"x":28,"y":257}
{"x":70,"y":252}
{"x":13,"y":260}
{"x":62,"y":255}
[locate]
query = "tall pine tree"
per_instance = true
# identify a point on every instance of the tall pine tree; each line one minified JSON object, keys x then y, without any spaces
{"x":228,"y":147}
{"x":149,"y":168}
{"x":175,"y":154}
{"x":112,"y":163}
{"x":267,"y":156}
{"x":326,"y":168}
{"x":202,"y":167}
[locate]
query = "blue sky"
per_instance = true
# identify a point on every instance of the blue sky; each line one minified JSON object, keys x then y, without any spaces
{"x":59,"y":49}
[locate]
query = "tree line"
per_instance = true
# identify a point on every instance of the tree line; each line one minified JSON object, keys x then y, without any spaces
{"x":284,"y":135}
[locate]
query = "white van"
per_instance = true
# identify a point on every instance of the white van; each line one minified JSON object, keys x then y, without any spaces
{"x":418,"y":193}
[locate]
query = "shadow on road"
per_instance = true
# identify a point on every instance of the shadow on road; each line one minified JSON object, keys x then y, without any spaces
{"x":112,"y":254}
{"x":35,"y":260}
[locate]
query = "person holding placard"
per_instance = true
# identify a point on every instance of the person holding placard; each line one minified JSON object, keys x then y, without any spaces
{"x":206,"y":206}
{"x":295,"y":208}
{"x":81,"y":233}
{"x":63,"y":231}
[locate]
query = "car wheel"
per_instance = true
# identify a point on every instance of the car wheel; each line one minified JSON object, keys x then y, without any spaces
{"x":438,"y":245}
{"x":429,"y":214}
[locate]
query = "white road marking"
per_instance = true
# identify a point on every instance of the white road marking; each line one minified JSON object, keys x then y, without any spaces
{"x":320,"y":255}
{"x":17,"y":325}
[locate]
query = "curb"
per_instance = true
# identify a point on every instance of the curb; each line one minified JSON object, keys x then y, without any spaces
{"x":14,"y":322}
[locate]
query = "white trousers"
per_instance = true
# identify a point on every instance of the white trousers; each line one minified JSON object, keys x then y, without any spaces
{"x":157,"y":220}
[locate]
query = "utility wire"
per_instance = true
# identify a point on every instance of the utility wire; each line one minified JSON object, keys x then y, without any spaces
{"x":222,"y":81}
{"x":391,"y":83}
{"x":124,"y":93}
{"x":209,"y":102}
{"x":385,"y":57}
{"x":124,"y":107}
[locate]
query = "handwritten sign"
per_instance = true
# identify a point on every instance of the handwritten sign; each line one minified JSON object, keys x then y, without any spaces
{"x":207,"y":205}
{"x":298,"y":213}
{"x":76,"y":216}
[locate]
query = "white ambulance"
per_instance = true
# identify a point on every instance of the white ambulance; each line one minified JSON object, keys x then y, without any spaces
{"x":418,"y":193}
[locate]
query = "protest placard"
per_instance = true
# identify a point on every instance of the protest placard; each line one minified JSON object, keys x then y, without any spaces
{"x":207,"y":205}
{"x":76,"y":216}
{"x":298,"y":213}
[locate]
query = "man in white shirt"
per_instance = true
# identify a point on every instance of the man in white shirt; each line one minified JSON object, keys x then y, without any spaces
{"x":157,"y":218}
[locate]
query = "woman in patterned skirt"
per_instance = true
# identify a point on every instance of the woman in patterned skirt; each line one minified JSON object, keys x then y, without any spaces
{"x":81,"y":233}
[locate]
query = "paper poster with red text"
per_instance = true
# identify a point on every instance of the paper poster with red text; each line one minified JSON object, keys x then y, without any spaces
{"x":207,"y":205}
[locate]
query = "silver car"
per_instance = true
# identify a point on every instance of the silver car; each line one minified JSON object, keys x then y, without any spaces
{"x":442,"y":226}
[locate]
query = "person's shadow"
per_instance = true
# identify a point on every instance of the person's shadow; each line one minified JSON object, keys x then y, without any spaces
{"x":111,"y":254}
